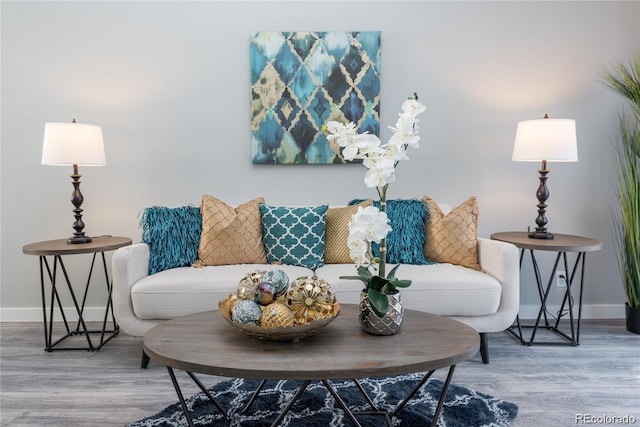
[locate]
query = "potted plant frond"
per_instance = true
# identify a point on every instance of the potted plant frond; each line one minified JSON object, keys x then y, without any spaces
{"x":624,"y":78}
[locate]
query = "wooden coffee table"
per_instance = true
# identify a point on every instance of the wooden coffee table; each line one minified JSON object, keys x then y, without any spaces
{"x":205,"y":343}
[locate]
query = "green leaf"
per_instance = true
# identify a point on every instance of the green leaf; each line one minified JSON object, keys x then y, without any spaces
{"x":378,"y":283}
{"x":364,"y":272}
{"x":362,"y":279}
{"x":379,"y":302}
{"x":392,"y":273}
{"x":400,"y":283}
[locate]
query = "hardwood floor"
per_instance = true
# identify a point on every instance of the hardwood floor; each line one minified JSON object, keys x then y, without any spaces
{"x":550,"y":384}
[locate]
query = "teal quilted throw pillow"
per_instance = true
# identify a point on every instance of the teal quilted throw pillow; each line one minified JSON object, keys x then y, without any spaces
{"x":405,"y":243}
{"x":294,"y":235}
{"x":173,"y":236}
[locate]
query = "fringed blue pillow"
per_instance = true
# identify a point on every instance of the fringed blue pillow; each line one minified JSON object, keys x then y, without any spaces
{"x":405,"y":243}
{"x":173,"y":236}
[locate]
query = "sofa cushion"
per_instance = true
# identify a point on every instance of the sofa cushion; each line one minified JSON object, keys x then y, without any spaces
{"x":444,"y":289}
{"x":230,"y":235}
{"x":453,"y":238}
{"x":294,"y":235}
{"x":405,"y":242}
{"x":187,"y":290}
{"x":336,"y":235}
{"x":173,"y":235}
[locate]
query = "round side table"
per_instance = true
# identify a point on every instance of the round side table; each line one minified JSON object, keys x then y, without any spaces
{"x":56,"y":249}
{"x":561,"y":244}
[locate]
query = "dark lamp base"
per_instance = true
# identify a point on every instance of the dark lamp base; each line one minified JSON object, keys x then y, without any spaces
{"x":543,"y":235}
{"x":79,"y":239}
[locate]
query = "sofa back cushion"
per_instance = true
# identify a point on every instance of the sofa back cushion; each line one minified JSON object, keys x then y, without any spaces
{"x":294,"y":235}
{"x":172,"y":234}
{"x":453,"y":238}
{"x":336,"y":235}
{"x":230,"y":235}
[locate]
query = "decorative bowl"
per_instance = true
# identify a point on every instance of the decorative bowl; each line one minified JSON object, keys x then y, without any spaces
{"x":282,"y":333}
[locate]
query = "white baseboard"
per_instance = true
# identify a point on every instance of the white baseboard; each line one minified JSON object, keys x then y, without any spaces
{"x":32,"y":314}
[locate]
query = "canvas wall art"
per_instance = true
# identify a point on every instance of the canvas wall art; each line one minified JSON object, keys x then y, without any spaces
{"x":302,"y":80}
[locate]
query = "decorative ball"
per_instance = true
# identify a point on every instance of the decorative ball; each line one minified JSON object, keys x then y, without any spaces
{"x":248,"y":284}
{"x":276,"y":315}
{"x":265,"y":293}
{"x":310,"y":299}
{"x":277,"y":278}
{"x":246,"y":311}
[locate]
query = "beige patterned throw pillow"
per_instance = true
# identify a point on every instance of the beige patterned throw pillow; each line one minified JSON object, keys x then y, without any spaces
{"x":230,"y":235}
{"x":452,"y":238}
{"x":336,"y":233}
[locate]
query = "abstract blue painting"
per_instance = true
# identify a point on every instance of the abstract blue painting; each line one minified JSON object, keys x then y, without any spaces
{"x":302,"y":80}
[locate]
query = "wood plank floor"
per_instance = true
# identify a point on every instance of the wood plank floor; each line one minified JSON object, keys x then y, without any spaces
{"x":550,"y":384}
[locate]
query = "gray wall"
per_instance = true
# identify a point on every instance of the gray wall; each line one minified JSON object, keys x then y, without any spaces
{"x":168,"y":82}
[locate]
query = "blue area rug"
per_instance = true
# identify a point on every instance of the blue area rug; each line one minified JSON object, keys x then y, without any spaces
{"x":316,"y":407}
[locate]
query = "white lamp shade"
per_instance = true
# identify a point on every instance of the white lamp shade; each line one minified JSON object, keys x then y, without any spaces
{"x":73,"y":144}
{"x":553,"y":140}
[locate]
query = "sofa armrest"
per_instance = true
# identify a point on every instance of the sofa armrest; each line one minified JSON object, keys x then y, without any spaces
{"x":501,"y":260}
{"x":129,"y":264}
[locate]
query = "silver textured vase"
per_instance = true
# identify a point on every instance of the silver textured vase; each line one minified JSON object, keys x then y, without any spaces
{"x":389,"y":324}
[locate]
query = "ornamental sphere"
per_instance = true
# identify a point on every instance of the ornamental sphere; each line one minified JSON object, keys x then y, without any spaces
{"x":248,"y":284}
{"x":310,"y":298}
{"x":277,"y":278}
{"x":265,"y":293}
{"x":276,"y":315}
{"x":246,"y":311}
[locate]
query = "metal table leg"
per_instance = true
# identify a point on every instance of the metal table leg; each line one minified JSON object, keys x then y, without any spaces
{"x":542,"y":320}
{"x":81,"y":327}
{"x":183,"y":403}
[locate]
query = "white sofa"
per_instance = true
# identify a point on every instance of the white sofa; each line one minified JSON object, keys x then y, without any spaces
{"x":487,"y":300}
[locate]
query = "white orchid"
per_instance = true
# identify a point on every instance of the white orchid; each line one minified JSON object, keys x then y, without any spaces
{"x":358,"y":251}
{"x":368,"y":147}
{"x":367,"y":225}
{"x":371,"y":224}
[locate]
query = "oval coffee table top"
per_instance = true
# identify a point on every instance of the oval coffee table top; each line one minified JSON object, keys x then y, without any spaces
{"x":205,"y":343}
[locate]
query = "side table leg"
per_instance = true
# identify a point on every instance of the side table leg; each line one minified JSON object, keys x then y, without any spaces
{"x":543,"y":302}
{"x":75,"y":303}
{"x":47,"y":340}
{"x":584,"y":260}
{"x":54,"y":298}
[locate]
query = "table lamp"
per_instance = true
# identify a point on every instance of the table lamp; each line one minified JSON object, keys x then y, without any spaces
{"x":545,"y":140}
{"x":74,"y":144}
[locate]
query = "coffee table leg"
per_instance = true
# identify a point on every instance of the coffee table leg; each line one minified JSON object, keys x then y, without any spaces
{"x":180,"y":396}
{"x":341,"y":403}
{"x":208,"y":394}
{"x":412,"y":392}
{"x":295,"y":397}
{"x":445,"y":387}
{"x":253,"y":396}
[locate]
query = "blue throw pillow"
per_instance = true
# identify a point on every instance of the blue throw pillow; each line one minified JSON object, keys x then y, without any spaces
{"x":173,"y":236}
{"x":405,"y":243}
{"x":294,"y":235}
